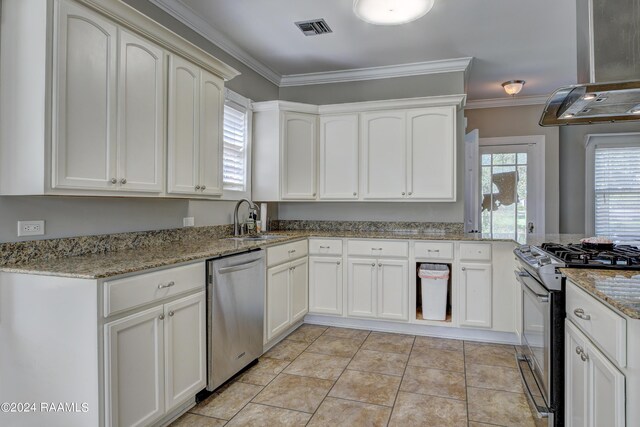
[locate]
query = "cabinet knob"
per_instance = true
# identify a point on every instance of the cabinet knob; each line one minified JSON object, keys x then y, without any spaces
{"x":197,"y":187}
{"x":123,"y":181}
{"x":338,"y":263}
{"x":171,"y":313}
{"x":580,"y":313}
{"x":464,"y":268}
{"x":379,"y":264}
{"x":114,"y":181}
{"x":314,"y":194}
{"x":403,"y":193}
{"x":373,"y":265}
{"x":204,"y":187}
{"x":583,"y":355}
{"x":410,"y":193}
{"x":161,"y":317}
{"x":355,"y":194}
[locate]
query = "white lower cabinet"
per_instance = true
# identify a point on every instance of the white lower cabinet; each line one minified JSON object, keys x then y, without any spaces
{"x":475,"y":302}
{"x":325,"y":285}
{"x":154,"y":361}
{"x":378,"y":288}
{"x":595,"y":388}
{"x":287,"y":299}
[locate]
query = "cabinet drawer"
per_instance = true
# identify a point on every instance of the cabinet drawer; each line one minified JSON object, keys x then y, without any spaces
{"x":282,"y":253}
{"x":378,"y":248}
{"x":141,"y":289}
{"x":325,"y":247}
{"x":607,"y":329}
{"x":434,"y":250}
{"x":475,"y":251}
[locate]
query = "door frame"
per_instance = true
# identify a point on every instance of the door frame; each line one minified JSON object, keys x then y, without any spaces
{"x":536,"y":145}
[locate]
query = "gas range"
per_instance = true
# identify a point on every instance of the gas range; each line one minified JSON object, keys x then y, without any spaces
{"x":544,"y":261}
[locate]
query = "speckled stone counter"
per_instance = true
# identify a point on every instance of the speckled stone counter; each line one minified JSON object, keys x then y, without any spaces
{"x":618,"y":289}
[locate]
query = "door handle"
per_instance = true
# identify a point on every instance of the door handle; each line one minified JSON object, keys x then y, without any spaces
{"x":238,"y":267}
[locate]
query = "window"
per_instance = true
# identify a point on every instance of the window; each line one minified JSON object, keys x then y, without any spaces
{"x":614,"y":201}
{"x":236,"y":148}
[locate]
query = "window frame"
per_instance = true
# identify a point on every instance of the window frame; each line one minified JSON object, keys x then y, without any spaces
{"x":239,"y":102}
{"x":593,"y":141}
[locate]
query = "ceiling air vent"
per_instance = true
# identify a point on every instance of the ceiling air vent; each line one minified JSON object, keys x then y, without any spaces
{"x":314,"y":27}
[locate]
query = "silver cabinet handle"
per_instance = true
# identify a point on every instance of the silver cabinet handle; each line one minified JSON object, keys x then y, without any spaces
{"x":114,"y":181}
{"x":314,"y":194}
{"x":583,"y":355}
{"x":197,"y":187}
{"x":373,"y":265}
{"x":379,"y":264}
{"x":376,"y":249}
{"x":171,"y":313}
{"x":580,"y":313}
{"x":325,"y":247}
{"x":204,"y":187}
{"x":433,"y":250}
{"x":161,"y":317}
{"x":123,"y":181}
{"x":292,"y":251}
{"x":403,"y":193}
{"x":338,"y":262}
{"x":464,"y":268}
{"x":410,"y":193}
{"x":168,"y":285}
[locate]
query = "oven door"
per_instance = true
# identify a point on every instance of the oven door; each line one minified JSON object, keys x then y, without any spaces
{"x":534,"y":362}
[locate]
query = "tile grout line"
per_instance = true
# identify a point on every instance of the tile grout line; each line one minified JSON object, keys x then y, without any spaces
{"x":404,"y":372}
{"x":466,"y":388}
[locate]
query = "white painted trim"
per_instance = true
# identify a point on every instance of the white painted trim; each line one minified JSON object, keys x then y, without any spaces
{"x":429,"y":101}
{"x":187,"y":16}
{"x":374,"y":73}
{"x":415,"y":329}
{"x":538,"y":142}
{"x":507,"y":102}
{"x":236,"y":98}
{"x":613,"y":140}
{"x":297,"y":107}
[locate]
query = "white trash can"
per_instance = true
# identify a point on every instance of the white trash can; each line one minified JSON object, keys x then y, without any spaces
{"x":434,"y":280}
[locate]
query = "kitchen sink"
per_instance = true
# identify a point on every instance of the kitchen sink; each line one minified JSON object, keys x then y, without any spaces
{"x":258,"y":238}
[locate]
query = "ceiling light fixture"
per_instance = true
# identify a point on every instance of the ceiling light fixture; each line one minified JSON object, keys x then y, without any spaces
{"x":513,"y":87}
{"x":391,"y":12}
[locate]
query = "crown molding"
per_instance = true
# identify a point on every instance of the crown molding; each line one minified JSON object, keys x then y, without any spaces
{"x":297,"y":107}
{"x":373,"y":73}
{"x":184,"y":14}
{"x":507,"y":102}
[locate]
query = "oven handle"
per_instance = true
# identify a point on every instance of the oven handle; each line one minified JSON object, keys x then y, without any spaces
{"x":522,"y":275}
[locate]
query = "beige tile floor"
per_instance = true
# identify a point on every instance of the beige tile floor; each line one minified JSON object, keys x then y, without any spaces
{"x":321,"y":376}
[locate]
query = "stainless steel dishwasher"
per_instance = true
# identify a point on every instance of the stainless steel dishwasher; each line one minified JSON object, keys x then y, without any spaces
{"x":235,"y":313}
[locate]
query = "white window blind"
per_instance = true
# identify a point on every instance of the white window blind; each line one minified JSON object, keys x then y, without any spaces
{"x":617,"y":192}
{"x":234,"y":170}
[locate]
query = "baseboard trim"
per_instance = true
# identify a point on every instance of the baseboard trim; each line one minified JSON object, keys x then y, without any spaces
{"x":415,"y":329}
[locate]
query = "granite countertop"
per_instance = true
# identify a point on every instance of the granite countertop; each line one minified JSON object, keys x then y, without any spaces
{"x":619,"y":289}
{"x":113,"y":263}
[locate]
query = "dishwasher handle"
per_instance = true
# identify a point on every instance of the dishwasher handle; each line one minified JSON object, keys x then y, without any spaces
{"x":239,"y":267}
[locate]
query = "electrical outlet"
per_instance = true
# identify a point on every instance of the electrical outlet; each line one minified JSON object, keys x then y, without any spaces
{"x":30,"y":228}
{"x":188,"y":221}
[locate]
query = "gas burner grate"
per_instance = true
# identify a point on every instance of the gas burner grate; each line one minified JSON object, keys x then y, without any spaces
{"x":575,"y":255}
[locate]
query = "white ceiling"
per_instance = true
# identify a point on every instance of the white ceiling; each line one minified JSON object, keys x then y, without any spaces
{"x":532,"y":40}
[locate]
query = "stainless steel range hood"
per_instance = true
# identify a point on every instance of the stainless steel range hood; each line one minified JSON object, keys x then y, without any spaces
{"x":608,"y":37}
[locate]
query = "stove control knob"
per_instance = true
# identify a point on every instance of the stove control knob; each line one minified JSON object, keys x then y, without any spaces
{"x":525,"y":248}
{"x":544,"y":260}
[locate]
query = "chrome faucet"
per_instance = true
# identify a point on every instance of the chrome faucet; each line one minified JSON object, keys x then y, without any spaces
{"x":237,"y":229}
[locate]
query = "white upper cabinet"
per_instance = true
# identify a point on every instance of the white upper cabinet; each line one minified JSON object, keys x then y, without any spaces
{"x":299,"y":136}
{"x":184,"y":122}
{"x":196,"y":100}
{"x":431,"y":154}
{"x":86,"y":95}
{"x":211,"y":117}
{"x":339,"y":157}
{"x":84,"y":142}
{"x":140,"y":115}
{"x":383,"y":155}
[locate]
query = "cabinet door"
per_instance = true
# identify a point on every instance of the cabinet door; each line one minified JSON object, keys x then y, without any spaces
{"x":325,"y":285}
{"x":183,"y":126}
{"x":185,"y":349}
{"x":339,"y":157}
{"x":140,"y":115}
{"x":475,"y":295}
{"x":211,"y":116}
{"x":361,"y":287}
{"x":575,"y":378}
{"x":606,"y":391}
{"x":393,"y":289}
{"x":84,"y":113}
{"x":431,"y":154}
{"x":383,"y":147}
{"x":299,"y":289}
{"x":298,"y":156}
{"x":134,"y":369}
{"x":278,"y":310}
